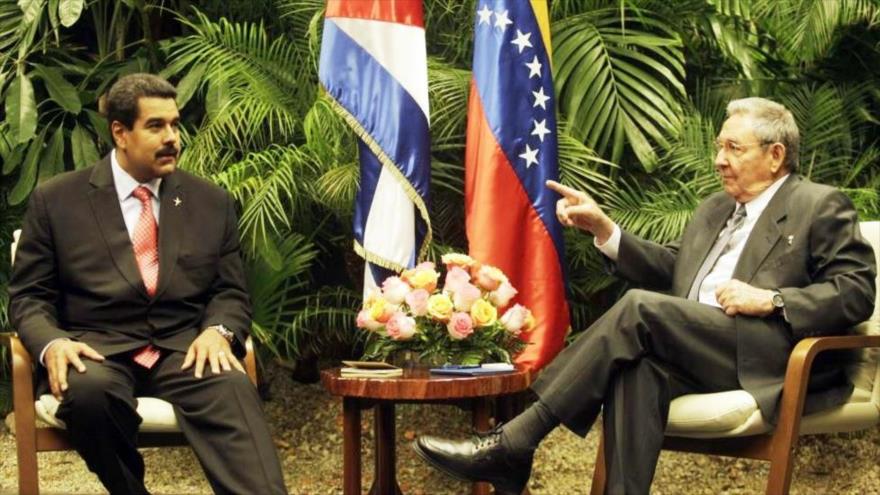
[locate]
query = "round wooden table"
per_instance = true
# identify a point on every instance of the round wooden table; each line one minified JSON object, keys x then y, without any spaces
{"x":416,"y":385}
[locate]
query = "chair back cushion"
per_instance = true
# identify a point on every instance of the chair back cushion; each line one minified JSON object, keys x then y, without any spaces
{"x":865,"y":371}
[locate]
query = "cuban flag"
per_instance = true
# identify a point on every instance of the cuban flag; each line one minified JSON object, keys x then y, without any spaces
{"x":374,"y":68}
{"x":511,"y":150}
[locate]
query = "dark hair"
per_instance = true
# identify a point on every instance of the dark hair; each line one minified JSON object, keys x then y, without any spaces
{"x":122,"y":99}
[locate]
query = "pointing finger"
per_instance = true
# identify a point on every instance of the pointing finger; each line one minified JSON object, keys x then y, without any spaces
{"x":564,"y":190}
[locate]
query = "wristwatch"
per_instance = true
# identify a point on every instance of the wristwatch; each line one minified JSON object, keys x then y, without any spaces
{"x":779,"y":304}
{"x":224,"y":332}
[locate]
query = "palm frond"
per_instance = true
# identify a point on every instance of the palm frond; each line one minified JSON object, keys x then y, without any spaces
{"x":271,"y":185}
{"x":316,"y":319}
{"x":619,"y":80}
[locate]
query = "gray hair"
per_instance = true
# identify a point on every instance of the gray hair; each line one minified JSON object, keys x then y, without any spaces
{"x":773,"y":124}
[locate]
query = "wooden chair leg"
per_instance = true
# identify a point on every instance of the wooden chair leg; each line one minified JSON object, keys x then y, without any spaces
{"x":598,"y":486}
{"x":25,"y":419}
{"x":781,"y":460}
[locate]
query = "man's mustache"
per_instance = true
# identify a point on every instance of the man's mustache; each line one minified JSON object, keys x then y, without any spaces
{"x":167,"y":151}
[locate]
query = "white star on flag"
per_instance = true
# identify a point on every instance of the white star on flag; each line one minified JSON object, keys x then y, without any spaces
{"x":534,"y":68}
{"x":540,"y":98}
{"x":522,"y":40}
{"x":530,"y":156}
{"x":501,"y":20}
{"x":485,"y":15}
{"x":540,"y":129}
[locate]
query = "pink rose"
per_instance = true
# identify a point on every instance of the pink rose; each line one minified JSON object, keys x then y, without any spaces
{"x":400,"y":326}
{"x":488,"y":277}
{"x":425,"y":265}
{"x":418,"y":302}
{"x":455,"y":278}
{"x":460,"y":326}
{"x":364,"y":320}
{"x":502,"y":295}
{"x":516,"y":318}
{"x":395,"y":290}
{"x":465,"y":296}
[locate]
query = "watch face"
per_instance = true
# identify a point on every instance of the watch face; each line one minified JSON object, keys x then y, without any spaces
{"x":777,"y":300}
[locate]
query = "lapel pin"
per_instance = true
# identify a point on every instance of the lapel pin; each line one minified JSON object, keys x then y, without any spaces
{"x":790,"y":239}
{"x":178,"y":202}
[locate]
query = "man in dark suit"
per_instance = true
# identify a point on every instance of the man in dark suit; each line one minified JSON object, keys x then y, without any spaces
{"x":129,"y":271}
{"x":770,"y":260}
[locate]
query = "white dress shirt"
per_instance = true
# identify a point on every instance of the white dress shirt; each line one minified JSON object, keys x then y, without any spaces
{"x":723,"y":269}
{"x":125,"y":184}
{"x":130,"y":205}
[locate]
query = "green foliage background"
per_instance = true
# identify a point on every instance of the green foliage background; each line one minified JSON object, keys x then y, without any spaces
{"x":641,"y":88}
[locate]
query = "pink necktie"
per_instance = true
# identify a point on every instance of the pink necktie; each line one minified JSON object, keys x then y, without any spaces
{"x":145,"y":241}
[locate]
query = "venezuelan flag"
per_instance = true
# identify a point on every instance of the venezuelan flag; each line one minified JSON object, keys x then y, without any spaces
{"x":511,"y":151}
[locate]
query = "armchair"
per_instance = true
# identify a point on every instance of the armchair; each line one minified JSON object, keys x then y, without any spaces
{"x":730,"y":423}
{"x":158,"y":429}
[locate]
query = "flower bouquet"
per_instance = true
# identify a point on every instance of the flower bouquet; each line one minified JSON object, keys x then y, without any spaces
{"x":457,"y":323}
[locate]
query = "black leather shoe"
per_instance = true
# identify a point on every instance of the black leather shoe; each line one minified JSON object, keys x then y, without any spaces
{"x":481,"y":458}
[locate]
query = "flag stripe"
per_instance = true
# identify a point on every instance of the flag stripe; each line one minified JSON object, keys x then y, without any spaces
{"x":397,"y":48}
{"x":399,"y":11}
{"x":539,"y":7}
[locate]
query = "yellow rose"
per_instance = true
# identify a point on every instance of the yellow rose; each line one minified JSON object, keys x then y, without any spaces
{"x":457,"y":259}
{"x":530,"y":322}
{"x":483,"y":313}
{"x":381,"y":310}
{"x":424,"y":279}
{"x":440,"y":307}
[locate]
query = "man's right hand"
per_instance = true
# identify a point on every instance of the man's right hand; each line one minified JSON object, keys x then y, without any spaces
{"x":59,"y":356}
{"x":579,"y":209}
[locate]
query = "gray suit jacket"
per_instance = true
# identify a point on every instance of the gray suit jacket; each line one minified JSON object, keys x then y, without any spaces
{"x":75,"y":273}
{"x":807,"y":244}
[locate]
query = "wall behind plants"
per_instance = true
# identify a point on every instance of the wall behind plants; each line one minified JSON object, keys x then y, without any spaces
{"x":641,"y":87}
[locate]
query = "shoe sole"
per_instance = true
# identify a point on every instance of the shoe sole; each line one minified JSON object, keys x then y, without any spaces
{"x":452,"y":474}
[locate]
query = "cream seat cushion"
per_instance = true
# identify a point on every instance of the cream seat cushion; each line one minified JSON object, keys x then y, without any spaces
{"x":157,"y":414}
{"x":735,"y":414}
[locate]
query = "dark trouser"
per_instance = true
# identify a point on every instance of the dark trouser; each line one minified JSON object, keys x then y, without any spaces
{"x":646,"y":350}
{"x":220,"y":415}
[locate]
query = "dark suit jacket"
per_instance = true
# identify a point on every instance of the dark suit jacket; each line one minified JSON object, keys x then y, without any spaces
{"x":807,"y":244}
{"x":75,"y":273}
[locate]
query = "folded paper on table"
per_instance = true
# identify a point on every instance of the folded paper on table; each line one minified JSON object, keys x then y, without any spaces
{"x":484,"y":369}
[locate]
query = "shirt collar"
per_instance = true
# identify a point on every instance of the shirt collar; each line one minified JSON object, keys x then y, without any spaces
{"x":126,"y":184}
{"x":756,"y":206}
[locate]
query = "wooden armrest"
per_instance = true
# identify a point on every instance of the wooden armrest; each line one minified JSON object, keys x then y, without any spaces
{"x":801,"y":361}
{"x":797,"y":375}
{"x":22,"y":373}
{"x":22,"y":392}
{"x":250,"y":360}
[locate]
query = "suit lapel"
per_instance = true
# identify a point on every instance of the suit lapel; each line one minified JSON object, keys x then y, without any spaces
{"x":105,"y":207}
{"x":171,"y":214}
{"x":709,"y":228}
{"x":766,"y":232}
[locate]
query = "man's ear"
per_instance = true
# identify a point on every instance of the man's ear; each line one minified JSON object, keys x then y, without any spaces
{"x":120,"y":134}
{"x":777,"y":155}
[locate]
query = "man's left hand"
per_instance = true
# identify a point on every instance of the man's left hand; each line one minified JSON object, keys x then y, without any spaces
{"x":212,"y":348}
{"x":739,"y":298}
